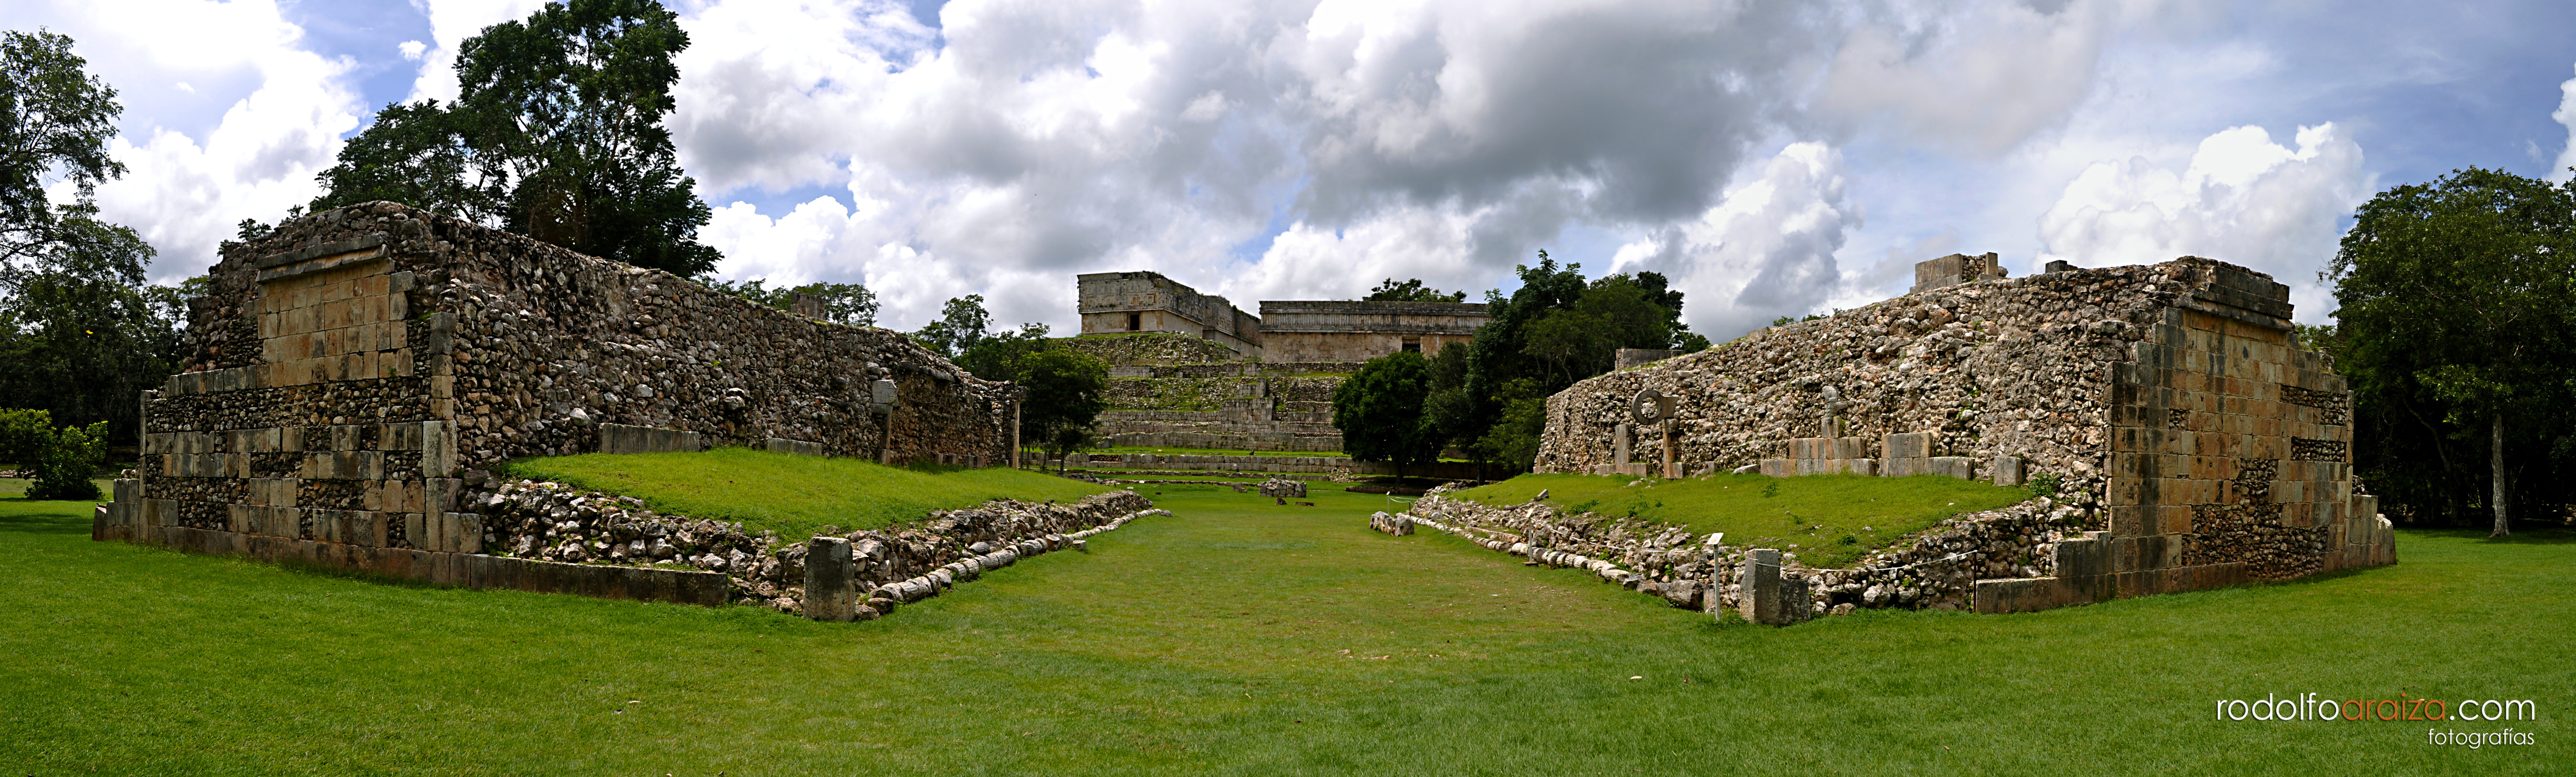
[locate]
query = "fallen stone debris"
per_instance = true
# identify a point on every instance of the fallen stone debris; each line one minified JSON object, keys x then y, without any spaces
{"x":557,"y":522}
{"x":1936,"y":568}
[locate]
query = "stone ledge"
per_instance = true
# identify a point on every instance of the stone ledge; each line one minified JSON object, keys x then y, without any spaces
{"x":466,"y":570}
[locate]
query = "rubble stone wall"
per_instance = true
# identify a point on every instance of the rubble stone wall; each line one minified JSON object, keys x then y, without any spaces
{"x":2170,"y":400}
{"x":349,"y":366}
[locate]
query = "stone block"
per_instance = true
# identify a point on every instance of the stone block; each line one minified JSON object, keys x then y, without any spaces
{"x":796,"y":447}
{"x":1960,"y":467}
{"x":2006,"y":470}
{"x":830,"y":593}
{"x":1778,"y":468}
{"x":621,"y":438}
{"x":1909,"y":445}
{"x":1759,"y":598}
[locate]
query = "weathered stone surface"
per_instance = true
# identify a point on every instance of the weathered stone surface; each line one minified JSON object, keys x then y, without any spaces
{"x":1346,"y":331}
{"x":1148,"y":302}
{"x":346,"y":369}
{"x":829,"y":591}
{"x":1282,"y":487}
{"x":2166,"y":401}
{"x":622,"y":438}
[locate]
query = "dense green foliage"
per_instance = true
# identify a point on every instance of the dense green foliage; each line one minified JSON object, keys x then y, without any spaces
{"x":1236,"y":637}
{"x":962,"y":323}
{"x":80,"y":333}
{"x":1379,"y":411}
{"x":2457,"y":334}
{"x":1064,"y":399}
{"x":58,"y":462}
{"x":557,"y":134}
{"x":1411,"y":290}
{"x":1556,"y":329}
{"x":843,"y":303}
{"x":1828,"y":520}
{"x":794,"y":495}
{"x":55,"y":120}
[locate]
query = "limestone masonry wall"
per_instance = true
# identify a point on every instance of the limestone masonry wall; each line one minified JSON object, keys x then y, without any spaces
{"x":2171,"y":401}
{"x":351,"y":365}
{"x":1324,"y":331}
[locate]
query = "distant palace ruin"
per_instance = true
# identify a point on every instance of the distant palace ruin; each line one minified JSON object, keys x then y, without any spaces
{"x":1239,"y":381}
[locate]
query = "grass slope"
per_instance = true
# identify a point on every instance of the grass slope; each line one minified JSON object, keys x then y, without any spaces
{"x":795,"y":495}
{"x":1239,"y":637}
{"x":1829,"y":520}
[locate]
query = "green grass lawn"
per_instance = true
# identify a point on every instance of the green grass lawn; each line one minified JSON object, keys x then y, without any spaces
{"x":795,"y":495}
{"x":1829,"y":520}
{"x":1242,"y":637}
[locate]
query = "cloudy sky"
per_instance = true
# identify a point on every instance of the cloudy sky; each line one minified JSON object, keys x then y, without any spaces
{"x":1773,"y":158}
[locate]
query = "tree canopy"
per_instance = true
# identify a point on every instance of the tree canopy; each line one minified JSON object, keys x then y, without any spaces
{"x":55,"y":120}
{"x":80,"y":332}
{"x":1379,"y":411}
{"x":2456,"y":301}
{"x":556,"y":134}
{"x":1411,"y":290}
{"x":843,"y":303}
{"x":1066,"y":392}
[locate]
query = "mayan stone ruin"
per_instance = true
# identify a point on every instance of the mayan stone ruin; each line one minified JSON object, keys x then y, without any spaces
{"x":356,"y":370}
{"x":2171,"y":404}
{"x":1190,"y":370}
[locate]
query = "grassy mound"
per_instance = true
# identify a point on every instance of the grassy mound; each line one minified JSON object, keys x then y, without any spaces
{"x":1828,"y":520}
{"x":794,"y":495}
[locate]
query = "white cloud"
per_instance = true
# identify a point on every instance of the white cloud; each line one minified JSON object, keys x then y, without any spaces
{"x":1766,"y":250}
{"x":1978,"y":77}
{"x":2565,"y":115}
{"x":450,"y":23}
{"x":2242,"y":199}
{"x":412,"y":50}
{"x":186,"y":187}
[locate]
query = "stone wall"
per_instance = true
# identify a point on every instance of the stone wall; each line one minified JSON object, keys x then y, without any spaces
{"x":1318,"y":331}
{"x":1937,"y":568}
{"x":1148,"y":302}
{"x":348,"y":367}
{"x":2170,"y":401}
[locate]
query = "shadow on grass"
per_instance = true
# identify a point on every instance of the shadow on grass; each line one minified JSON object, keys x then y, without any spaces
{"x":23,"y":516}
{"x":2551,"y":535}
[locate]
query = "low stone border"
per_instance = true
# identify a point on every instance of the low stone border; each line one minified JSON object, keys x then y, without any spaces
{"x":1940,"y":567}
{"x":553,"y":538}
{"x":883,"y":600}
{"x":469,"y":570}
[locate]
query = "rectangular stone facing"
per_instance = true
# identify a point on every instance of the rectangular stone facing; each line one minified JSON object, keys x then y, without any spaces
{"x":1912,"y":445}
{"x":830,"y":592}
{"x":794,"y":447}
{"x":2006,"y":470}
{"x":1759,"y":600}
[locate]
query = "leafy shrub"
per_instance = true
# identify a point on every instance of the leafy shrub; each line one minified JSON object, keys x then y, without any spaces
{"x":59,"y":461}
{"x":2045,"y":484}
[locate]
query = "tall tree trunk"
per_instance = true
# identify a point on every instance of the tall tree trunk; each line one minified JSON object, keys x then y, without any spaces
{"x":2495,"y":464}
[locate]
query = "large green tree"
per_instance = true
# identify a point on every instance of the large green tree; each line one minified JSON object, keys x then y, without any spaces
{"x":80,"y":332}
{"x":557,"y":134}
{"x":1380,"y":412}
{"x":1065,"y":393}
{"x":2456,"y":301}
{"x":55,"y":120}
{"x":962,"y":323}
{"x":1557,"y":328}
